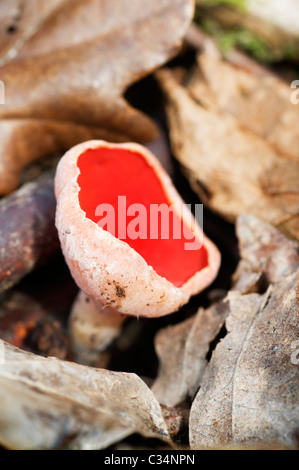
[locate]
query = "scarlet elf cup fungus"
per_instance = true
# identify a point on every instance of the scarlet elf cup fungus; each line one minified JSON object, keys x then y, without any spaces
{"x":109,"y":197}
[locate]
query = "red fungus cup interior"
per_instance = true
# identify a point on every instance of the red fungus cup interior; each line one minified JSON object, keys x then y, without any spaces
{"x":121,"y":192}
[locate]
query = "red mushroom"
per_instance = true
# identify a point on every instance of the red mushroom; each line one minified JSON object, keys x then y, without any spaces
{"x":124,"y":266}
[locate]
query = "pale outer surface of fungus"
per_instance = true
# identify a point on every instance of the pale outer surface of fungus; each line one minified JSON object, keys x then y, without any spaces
{"x":107,"y":269}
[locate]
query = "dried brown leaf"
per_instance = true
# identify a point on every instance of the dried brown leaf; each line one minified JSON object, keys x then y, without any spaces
{"x":232,"y":169}
{"x":261,"y":104}
{"x":182,"y":351}
{"x":249,"y":392}
{"x":66,"y":65}
{"x":47,"y":403}
{"x":267,"y":256}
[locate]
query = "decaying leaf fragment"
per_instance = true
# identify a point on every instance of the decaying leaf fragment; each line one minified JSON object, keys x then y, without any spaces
{"x":182,"y":351}
{"x":249,"y":394}
{"x":234,"y":170}
{"x":66,"y":64}
{"x":46,"y":403}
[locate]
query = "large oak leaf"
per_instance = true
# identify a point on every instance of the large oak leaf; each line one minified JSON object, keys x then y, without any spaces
{"x":66,"y":65}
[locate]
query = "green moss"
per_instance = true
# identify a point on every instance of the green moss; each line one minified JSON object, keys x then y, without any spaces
{"x":242,"y":38}
{"x":247,"y":41}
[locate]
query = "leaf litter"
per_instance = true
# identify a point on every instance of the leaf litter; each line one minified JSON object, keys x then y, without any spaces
{"x":232,"y":364}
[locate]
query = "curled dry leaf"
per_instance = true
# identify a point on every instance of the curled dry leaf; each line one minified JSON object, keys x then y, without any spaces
{"x":66,"y":65}
{"x":27,"y":230}
{"x":182,"y":351}
{"x":47,"y":403}
{"x":232,"y":169}
{"x":249,"y":392}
